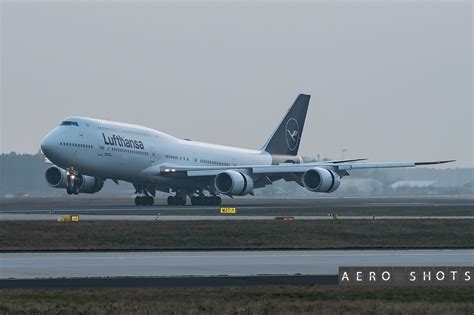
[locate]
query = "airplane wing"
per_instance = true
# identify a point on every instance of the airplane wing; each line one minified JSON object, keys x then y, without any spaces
{"x":301,"y":168}
{"x":337,"y":166}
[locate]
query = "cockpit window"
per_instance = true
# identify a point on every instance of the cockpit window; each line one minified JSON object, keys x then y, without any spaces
{"x":69,"y":123}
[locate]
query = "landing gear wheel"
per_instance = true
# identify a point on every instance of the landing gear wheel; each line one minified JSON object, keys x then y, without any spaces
{"x":206,"y":201}
{"x":216,"y":201}
{"x":138,"y":201}
{"x":201,"y":200}
{"x":178,"y":200}
{"x":149,"y":201}
{"x":144,"y":201}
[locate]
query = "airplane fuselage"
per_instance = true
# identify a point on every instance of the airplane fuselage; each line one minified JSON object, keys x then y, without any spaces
{"x":121,"y":151}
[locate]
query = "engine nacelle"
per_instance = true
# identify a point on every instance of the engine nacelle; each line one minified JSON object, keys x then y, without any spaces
{"x":233,"y":183}
{"x":57,"y":178}
{"x":89,"y":184}
{"x":321,"y":180}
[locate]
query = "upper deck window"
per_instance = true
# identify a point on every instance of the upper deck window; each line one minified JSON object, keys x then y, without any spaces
{"x":69,"y":123}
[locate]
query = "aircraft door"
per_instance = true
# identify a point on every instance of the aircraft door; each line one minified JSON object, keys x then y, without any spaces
{"x":77,"y":143}
{"x":101,"y":150}
{"x":154,"y":156}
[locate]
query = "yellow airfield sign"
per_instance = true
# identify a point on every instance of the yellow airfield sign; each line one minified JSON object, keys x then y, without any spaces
{"x":228,"y":210}
{"x":68,"y":218}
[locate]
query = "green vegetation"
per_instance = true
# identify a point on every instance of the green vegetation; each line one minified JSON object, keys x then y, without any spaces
{"x":247,"y":300}
{"x":122,"y":235}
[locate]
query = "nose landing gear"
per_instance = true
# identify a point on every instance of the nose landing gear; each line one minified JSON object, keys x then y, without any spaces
{"x":73,"y":181}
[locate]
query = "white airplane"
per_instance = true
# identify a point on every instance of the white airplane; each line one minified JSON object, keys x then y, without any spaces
{"x":85,"y":152}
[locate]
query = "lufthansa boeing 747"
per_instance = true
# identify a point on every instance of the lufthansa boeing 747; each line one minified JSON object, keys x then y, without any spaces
{"x":85,"y":152}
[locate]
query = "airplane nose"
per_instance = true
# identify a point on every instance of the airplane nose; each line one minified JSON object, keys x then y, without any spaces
{"x":47,"y":146}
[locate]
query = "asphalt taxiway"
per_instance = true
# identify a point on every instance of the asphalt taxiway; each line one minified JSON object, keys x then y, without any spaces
{"x":221,"y":263}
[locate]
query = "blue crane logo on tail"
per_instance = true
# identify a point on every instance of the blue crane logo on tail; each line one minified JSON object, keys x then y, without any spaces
{"x":292,"y":133}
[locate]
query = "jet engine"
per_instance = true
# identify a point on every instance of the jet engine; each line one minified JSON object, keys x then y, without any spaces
{"x":321,"y":180}
{"x":89,"y":184}
{"x":233,"y":183}
{"x":58,"y":178}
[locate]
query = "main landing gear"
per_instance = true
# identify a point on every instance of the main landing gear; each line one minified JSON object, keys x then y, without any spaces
{"x":178,"y":200}
{"x":144,"y":201}
{"x":202,"y":200}
{"x":181,"y":198}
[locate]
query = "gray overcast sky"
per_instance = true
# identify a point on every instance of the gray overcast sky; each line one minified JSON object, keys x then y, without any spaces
{"x":390,"y":80}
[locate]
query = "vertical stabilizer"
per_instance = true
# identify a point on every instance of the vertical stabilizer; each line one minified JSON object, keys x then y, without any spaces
{"x":285,"y":140}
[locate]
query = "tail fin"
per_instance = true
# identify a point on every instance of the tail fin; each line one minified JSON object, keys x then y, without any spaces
{"x":285,"y":140}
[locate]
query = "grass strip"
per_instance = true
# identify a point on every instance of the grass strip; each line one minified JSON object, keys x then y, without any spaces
{"x":253,"y":300}
{"x":123,"y":235}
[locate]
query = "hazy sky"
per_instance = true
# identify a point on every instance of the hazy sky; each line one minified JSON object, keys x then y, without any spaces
{"x":390,"y":80}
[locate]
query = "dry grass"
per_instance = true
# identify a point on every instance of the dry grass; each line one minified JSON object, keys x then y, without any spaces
{"x":46,"y":235}
{"x":257,"y":300}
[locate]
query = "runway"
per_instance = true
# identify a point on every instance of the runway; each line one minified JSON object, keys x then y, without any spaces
{"x":220,"y":263}
{"x":461,"y":207}
{"x":139,"y":218}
